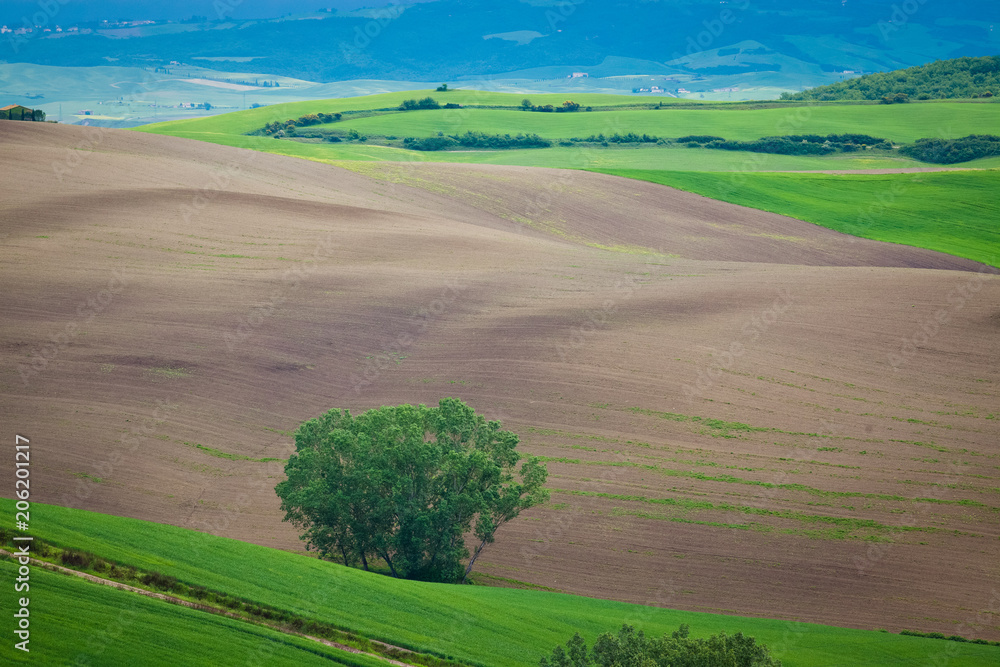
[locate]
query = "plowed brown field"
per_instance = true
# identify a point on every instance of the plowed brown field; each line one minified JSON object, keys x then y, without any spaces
{"x":742,"y":412}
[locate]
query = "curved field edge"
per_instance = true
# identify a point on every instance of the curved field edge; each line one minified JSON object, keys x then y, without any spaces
{"x":482,"y":625}
{"x":73,"y":621}
{"x":951,"y":212}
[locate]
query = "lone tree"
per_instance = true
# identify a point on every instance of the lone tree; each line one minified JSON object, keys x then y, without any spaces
{"x":405,"y":485}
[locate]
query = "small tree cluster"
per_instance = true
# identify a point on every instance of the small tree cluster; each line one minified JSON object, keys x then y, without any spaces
{"x":567,"y":106}
{"x":898,"y":98}
{"x":950,"y":151}
{"x":634,"y":649}
{"x":413,"y":105}
{"x":301,"y":121}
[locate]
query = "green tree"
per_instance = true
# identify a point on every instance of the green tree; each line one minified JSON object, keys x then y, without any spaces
{"x":406,"y":485}
{"x":633,"y":648}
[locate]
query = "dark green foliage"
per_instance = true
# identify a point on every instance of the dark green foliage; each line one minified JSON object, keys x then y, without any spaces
{"x":483,"y":140}
{"x":405,"y":484}
{"x":80,"y":559}
{"x":413,"y":105}
{"x":698,"y":139}
{"x":431,"y":143}
{"x":942,"y":79}
{"x":633,"y":649}
{"x":951,"y":638}
{"x":950,"y":151}
{"x":616,"y":138}
{"x":301,"y":121}
{"x":898,"y":98}
{"x":799,"y":144}
{"x":157,"y":580}
{"x":477,"y":140}
{"x":443,"y":88}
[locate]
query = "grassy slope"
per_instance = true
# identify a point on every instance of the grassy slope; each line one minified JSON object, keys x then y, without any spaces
{"x":77,"y":622}
{"x":491,"y":626}
{"x":643,"y":157}
{"x":900,"y":123}
{"x":253,"y":119}
{"x":954,"y":212}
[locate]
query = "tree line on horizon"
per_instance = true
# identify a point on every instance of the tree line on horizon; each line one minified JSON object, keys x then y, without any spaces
{"x":958,"y":78}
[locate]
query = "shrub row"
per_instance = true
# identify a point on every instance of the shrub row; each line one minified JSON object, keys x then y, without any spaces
{"x":945,"y":151}
{"x":951,"y":638}
{"x":301,"y":121}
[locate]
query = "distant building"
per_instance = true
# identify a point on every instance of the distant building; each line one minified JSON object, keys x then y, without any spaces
{"x":578,"y":75}
{"x":17,"y":112}
{"x":683,"y":91}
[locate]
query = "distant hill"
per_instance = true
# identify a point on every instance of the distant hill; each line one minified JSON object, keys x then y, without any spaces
{"x":942,"y":79}
{"x":443,"y":40}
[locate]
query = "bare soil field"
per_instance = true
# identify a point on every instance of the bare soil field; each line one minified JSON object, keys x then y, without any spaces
{"x":741,"y":412}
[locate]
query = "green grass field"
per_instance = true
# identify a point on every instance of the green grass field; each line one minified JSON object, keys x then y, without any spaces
{"x":240,"y":122}
{"x":900,"y":123}
{"x":632,"y":157}
{"x":78,"y":622}
{"x":953,"y":212}
{"x":483,"y":625}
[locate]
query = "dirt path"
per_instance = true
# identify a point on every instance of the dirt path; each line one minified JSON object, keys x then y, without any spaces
{"x":212,"y":610}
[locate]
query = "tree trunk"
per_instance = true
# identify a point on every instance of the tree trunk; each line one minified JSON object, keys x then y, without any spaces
{"x":343,"y":552}
{"x":364,"y":561}
{"x":385,"y":557}
{"x":472,"y":560}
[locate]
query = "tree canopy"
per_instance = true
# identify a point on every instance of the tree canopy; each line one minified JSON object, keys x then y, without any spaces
{"x":942,"y":79}
{"x":405,"y":485}
{"x":630,"y":648}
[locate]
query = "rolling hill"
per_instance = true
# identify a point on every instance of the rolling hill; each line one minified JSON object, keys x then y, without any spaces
{"x":711,"y":385}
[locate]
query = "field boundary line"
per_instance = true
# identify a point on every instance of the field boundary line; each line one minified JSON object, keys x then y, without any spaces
{"x":211,"y":610}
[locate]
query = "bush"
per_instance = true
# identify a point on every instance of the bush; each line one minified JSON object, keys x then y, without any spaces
{"x":943,"y":151}
{"x":433,"y":144}
{"x":630,"y":647}
{"x":413,"y":105}
{"x":72,"y":558}
{"x":698,"y":139}
{"x":157,"y":580}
